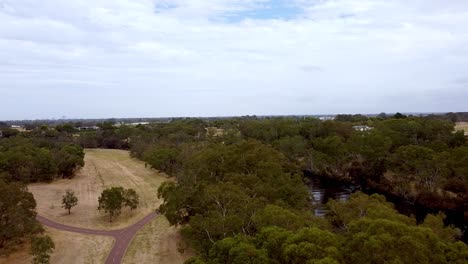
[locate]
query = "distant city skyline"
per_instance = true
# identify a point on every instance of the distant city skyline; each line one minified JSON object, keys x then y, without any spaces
{"x":146,"y":58}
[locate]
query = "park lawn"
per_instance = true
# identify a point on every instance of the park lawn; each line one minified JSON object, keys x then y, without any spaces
{"x":80,"y":248}
{"x":106,"y":168}
{"x":103,"y":168}
{"x":157,"y":242}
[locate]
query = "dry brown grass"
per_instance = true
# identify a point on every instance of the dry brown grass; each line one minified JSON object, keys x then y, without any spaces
{"x":79,"y":248}
{"x":103,"y":168}
{"x":157,"y":242}
{"x":462,"y":126}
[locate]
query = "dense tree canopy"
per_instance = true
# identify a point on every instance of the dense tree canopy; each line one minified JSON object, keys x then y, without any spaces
{"x":36,"y":158}
{"x":17,"y":215}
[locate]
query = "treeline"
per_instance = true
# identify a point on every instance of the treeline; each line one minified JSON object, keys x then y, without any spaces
{"x":40,"y":155}
{"x":421,"y":159}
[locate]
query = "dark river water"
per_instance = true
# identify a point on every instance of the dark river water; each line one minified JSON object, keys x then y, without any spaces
{"x":322,"y":190}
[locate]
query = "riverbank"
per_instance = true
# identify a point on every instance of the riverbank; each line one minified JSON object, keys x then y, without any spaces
{"x":323,"y":188}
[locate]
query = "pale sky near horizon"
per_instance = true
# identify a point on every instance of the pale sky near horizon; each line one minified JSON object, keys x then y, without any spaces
{"x":147,"y":58}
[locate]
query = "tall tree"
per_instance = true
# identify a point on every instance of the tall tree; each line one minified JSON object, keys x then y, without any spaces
{"x":69,"y":200}
{"x":41,"y":248}
{"x":111,"y":201}
{"x":17,"y":214}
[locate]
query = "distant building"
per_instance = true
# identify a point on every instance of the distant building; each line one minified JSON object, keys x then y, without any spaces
{"x":324,"y":118}
{"x":362,"y":128}
{"x":139,"y":123}
{"x":88,"y":128}
{"x":19,"y":128}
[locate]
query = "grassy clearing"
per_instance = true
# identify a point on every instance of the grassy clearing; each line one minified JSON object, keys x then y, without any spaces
{"x":157,"y":242}
{"x":462,"y":126}
{"x":80,"y":248}
{"x":103,"y":168}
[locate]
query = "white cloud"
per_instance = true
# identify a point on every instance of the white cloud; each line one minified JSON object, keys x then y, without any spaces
{"x":184,"y":57}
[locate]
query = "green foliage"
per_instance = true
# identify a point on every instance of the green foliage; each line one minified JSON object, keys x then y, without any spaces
{"x":41,"y":248}
{"x":420,"y":164}
{"x":113,"y":199}
{"x":222,"y":189}
{"x":131,"y":198}
{"x":69,"y":158}
{"x":375,"y":233}
{"x":436,"y":223}
{"x":18,"y":215}
{"x":37,"y":159}
{"x":163,"y":159}
{"x":360,"y":205}
{"x":273,"y":215}
{"x":351,"y":118}
{"x":309,"y":245}
{"x":293,"y":148}
{"x":237,"y":250}
{"x":69,"y":200}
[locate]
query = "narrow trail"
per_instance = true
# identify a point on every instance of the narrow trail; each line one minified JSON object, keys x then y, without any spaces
{"x":122,"y":237}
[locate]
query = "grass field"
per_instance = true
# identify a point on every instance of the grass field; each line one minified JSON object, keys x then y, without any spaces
{"x":103,"y":168}
{"x":155,"y":243}
{"x":462,"y":126}
{"x":68,"y":246}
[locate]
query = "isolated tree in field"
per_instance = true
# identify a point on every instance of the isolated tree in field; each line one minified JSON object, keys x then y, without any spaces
{"x":41,"y":248}
{"x":131,"y":198}
{"x":111,"y":201}
{"x":69,"y":200}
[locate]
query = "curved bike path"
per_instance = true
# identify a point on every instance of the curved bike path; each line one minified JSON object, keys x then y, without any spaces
{"x":122,"y":237}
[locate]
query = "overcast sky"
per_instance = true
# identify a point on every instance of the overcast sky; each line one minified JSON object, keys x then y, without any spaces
{"x":146,"y":58}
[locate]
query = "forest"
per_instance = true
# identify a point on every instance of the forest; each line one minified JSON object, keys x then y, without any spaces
{"x":240,"y":193}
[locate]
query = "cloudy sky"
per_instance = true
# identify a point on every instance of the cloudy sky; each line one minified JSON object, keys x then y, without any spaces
{"x":135,"y":58}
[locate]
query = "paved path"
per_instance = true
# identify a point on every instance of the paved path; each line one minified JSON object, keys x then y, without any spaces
{"x":122,"y":237}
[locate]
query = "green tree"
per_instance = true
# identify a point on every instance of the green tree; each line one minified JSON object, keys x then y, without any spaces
{"x":162,"y":159}
{"x":69,"y":200}
{"x":69,"y":158}
{"x":111,"y":201}
{"x":420,"y":164}
{"x":399,"y":116}
{"x":360,"y":205}
{"x":273,"y":215}
{"x":17,"y":214}
{"x":311,"y":244}
{"x":131,"y":198}
{"x":41,"y":248}
{"x":237,"y":250}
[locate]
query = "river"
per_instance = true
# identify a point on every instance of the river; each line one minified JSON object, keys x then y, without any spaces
{"x":322,"y":190}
